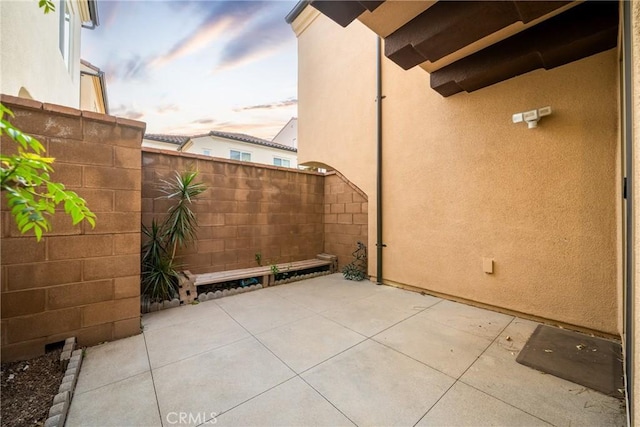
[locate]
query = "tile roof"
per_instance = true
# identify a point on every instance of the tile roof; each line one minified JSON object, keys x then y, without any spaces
{"x":171,"y":139}
{"x":183,"y":139}
{"x":251,"y":140}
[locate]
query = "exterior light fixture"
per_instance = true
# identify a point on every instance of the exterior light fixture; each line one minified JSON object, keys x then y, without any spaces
{"x":531,"y":117}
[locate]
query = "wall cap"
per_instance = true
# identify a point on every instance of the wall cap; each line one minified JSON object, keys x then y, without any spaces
{"x":131,"y":123}
{"x":151,"y":150}
{"x":91,"y":115}
{"x":14,"y":101}
{"x":21,"y":102}
{"x":61,"y":109}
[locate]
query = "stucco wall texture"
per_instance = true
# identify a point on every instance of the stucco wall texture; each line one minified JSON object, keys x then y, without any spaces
{"x":336,"y":93}
{"x":25,"y":54}
{"x":461,"y":182}
{"x":77,"y":281}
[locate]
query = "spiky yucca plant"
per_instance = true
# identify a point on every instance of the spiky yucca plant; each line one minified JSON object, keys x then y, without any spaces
{"x":159,"y":276}
{"x":181,"y":223}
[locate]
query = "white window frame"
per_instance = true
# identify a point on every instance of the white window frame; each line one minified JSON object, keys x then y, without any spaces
{"x":241,"y":155}
{"x":66,"y":33}
{"x":282,"y":160}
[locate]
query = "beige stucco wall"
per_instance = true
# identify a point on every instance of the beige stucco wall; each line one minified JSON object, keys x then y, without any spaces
{"x":29,"y":51}
{"x":336,"y":104}
{"x":461,"y":182}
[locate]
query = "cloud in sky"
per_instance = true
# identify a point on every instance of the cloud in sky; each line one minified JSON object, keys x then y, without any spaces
{"x":221,"y":18}
{"x":167,"y":108}
{"x":265,"y":129}
{"x":205,"y":121}
{"x":271,"y":106}
{"x":135,"y":67}
{"x":123,"y":110}
{"x":256,"y":42}
{"x":158,"y":57}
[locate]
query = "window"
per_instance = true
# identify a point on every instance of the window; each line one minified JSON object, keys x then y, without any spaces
{"x":65,"y":33}
{"x":281,"y":162}
{"x":206,"y":152}
{"x":240,"y":155}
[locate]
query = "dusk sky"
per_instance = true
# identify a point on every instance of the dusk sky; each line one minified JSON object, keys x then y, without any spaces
{"x":188,"y":67}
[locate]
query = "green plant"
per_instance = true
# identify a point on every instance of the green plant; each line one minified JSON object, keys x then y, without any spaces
{"x":258,"y":257}
{"x":25,"y":178}
{"x":274,"y":269}
{"x":180,"y":224}
{"x":357,"y":269}
{"x":47,"y":5}
{"x":159,"y":276}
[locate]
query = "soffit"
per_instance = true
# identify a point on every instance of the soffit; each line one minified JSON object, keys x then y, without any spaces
{"x":344,"y":12}
{"x":393,"y":14}
{"x":467,"y":45}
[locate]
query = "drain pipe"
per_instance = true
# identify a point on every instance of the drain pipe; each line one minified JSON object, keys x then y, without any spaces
{"x":629,"y":327}
{"x":379,"y":97}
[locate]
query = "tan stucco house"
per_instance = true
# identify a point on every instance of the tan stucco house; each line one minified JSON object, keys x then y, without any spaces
{"x":531,"y":214}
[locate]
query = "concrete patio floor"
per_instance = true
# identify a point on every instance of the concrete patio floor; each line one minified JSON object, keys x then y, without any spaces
{"x":326,"y":351}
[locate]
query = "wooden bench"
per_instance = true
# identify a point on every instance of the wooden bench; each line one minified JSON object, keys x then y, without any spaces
{"x":266,"y":273}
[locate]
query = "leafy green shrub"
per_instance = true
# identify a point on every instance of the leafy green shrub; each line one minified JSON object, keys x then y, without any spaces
{"x":31,"y":194}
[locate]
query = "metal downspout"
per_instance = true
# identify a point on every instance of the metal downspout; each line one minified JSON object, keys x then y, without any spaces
{"x":628,"y":141}
{"x":379,"y":97}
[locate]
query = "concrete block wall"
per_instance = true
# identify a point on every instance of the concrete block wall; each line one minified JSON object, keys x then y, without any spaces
{"x":77,"y":281}
{"x":247,"y":209}
{"x":345,"y":217}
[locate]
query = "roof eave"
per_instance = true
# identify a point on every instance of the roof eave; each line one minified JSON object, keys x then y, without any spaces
{"x":296,"y":11}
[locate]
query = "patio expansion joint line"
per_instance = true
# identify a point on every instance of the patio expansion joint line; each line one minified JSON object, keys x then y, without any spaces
{"x":488,"y":394}
{"x":464,"y":372}
{"x":109,"y":384}
{"x":191,"y":356}
{"x":292,"y":370}
{"x":457,"y":380}
{"x":311,"y":314}
{"x":381,"y":331}
{"x":328,"y":401}
{"x":153,"y":380}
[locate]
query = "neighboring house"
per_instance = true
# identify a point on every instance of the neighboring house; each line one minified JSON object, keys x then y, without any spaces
{"x":93,"y":89}
{"x":473,"y":206}
{"x":227,"y":145}
{"x":288,"y":135}
{"x":40,"y":53}
{"x":164,"y":142}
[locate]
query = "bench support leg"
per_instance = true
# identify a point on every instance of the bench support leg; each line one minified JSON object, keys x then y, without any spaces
{"x":265,"y":281}
{"x":187,"y":288}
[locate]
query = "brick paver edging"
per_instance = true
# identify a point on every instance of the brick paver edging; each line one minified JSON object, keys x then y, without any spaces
{"x":71,"y":359}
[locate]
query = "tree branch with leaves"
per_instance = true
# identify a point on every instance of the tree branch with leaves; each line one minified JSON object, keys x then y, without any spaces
{"x":25,"y":178}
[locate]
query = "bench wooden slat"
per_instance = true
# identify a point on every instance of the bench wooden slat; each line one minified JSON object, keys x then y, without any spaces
{"x":245,"y":273}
